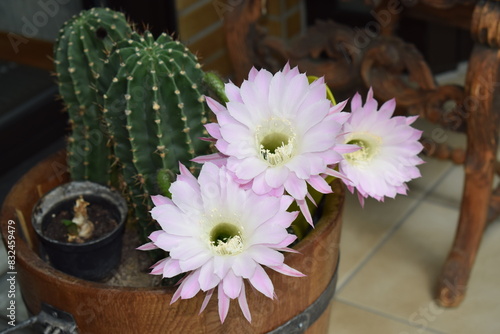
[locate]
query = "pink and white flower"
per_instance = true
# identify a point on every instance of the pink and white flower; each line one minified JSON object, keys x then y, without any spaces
{"x":220,"y":234}
{"x":388,"y":153}
{"x":278,"y":133}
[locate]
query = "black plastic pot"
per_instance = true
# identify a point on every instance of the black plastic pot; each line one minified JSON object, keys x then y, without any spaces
{"x":93,"y":260}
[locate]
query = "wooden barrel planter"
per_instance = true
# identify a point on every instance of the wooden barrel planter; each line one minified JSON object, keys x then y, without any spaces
{"x":302,"y":304}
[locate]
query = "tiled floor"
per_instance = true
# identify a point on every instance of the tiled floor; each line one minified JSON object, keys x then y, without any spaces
{"x":392,"y":253}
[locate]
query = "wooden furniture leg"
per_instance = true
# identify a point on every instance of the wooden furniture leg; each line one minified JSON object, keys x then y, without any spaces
{"x":482,"y":106}
{"x":241,"y":35}
{"x":384,"y":64}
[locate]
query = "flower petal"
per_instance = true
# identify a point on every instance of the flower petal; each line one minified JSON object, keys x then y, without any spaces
{"x":287,"y":270}
{"x":221,"y":266}
{"x":261,"y":281}
{"x":247,"y":168}
{"x":275,"y":177}
{"x":160,"y":200}
{"x":217,"y":159}
{"x":172,"y":219}
{"x":266,"y":255}
{"x":319,"y":183}
{"x":215,"y":106}
{"x":208,"y":280}
{"x":296,"y":187}
{"x":242,"y":301}
{"x":206,"y":300}
{"x":194,"y":261}
{"x":244,"y":265}
{"x":231,"y":284}
{"x":223,"y":305}
{"x":147,"y":246}
{"x":190,"y":286}
{"x":171,"y":268}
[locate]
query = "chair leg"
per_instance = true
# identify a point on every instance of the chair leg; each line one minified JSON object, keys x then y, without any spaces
{"x":482,"y":134}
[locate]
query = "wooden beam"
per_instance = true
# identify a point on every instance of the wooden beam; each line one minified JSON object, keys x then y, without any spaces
{"x":28,"y":51}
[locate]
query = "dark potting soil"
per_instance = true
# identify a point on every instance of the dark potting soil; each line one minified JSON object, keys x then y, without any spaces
{"x":103,"y":220}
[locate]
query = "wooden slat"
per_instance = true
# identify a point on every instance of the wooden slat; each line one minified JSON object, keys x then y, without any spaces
{"x":459,"y":16}
{"x":28,"y":51}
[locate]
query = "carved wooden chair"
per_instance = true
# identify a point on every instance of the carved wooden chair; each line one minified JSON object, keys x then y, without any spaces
{"x":386,"y":63}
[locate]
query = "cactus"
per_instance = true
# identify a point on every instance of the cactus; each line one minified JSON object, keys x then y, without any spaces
{"x":131,"y":100}
{"x":83,"y":44}
{"x":154,"y":109}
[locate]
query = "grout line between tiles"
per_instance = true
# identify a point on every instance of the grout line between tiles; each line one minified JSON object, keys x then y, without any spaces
{"x":444,"y":202}
{"x":389,"y":316}
{"x":418,"y":201}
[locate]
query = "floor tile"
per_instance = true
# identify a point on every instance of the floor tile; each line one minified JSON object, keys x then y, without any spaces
{"x":480,"y":309}
{"x":400,"y":277}
{"x":349,"y":319}
{"x":432,"y":171}
{"x":449,"y":191}
{"x":364,"y":228}
{"x":438,"y":134}
{"x":413,"y":256}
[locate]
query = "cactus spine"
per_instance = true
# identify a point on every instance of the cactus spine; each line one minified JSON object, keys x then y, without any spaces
{"x":83,"y":44}
{"x":155,"y":112}
{"x":133,"y":102}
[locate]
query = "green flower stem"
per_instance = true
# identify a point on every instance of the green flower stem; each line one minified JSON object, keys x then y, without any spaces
{"x":215,"y":84}
{"x":300,"y":226}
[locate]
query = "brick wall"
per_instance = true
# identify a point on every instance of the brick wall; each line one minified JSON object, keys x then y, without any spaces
{"x":200,"y":26}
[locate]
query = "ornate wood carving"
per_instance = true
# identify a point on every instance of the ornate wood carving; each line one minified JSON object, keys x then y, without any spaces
{"x":482,"y":138}
{"x":397,"y":69}
{"x":349,"y":60}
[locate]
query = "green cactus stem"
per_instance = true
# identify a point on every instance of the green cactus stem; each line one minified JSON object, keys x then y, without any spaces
{"x":155,"y":112}
{"x":83,"y":44}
